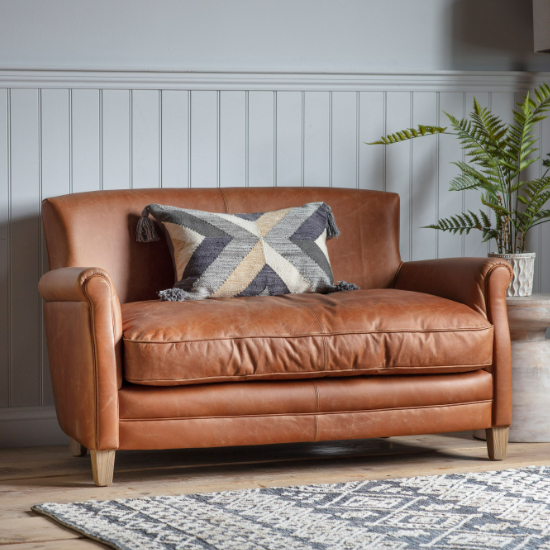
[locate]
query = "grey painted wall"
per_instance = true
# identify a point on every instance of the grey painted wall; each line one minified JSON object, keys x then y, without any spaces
{"x":270,"y":35}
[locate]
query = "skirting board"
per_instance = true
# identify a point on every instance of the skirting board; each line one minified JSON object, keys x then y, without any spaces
{"x":30,"y":427}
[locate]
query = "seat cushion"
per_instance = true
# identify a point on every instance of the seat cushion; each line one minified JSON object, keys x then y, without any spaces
{"x":296,"y":336}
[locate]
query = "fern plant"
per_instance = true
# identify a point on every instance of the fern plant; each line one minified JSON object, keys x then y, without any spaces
{"x":498,"y":154}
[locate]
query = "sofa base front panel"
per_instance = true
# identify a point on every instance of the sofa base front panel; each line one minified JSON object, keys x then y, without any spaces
{"x":289,"y":397}
{"x":270,"y":429}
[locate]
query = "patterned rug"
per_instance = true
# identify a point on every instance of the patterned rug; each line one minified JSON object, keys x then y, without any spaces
{"x":505,"y":510}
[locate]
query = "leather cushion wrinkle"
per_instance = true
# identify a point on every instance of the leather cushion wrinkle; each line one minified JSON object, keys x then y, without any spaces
{"x":384,"y":331}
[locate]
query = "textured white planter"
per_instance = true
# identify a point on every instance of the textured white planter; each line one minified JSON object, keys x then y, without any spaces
{"x":524,"y":270}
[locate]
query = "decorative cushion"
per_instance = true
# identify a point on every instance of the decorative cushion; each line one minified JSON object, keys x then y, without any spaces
{"x":227,"y":255}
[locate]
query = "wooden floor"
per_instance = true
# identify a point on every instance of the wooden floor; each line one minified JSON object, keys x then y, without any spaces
{"x":48,"y":474}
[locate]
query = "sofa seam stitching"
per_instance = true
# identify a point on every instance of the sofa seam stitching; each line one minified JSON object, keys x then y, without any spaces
{"x":478,"y":366}
{"x":85,"y":280}
{"x":317,"y":408}
{"x":313,"y":335}
{"x":315,"y":413}
{"x":95,"y":358}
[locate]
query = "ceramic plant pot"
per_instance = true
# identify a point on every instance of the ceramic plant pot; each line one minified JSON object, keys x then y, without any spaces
{"x":524,"y":269}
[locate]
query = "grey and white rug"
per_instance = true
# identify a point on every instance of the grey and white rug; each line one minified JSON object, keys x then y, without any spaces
{"x":505,"y":510}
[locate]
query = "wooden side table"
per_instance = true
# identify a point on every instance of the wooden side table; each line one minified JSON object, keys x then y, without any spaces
{"x":529,"y":318}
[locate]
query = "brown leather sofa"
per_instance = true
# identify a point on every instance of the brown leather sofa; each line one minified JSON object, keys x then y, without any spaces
{"x":423,"y":347}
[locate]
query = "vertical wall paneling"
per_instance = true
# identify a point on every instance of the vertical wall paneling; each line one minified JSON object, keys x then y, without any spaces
{"x":289,"y":139}
{"x":472,"y":242}
{"x":261,"y":143}
{"x":542,"y":262}
{"x":145,"y":139}
{"x":450,"y":202}
{"x":115,"y":151}
{"x":372,"y":125}
{"x":398,"y":160}
{"x":424,"y":197}
{"x":232,"y":139}
{"x":344,"y":139}
{"x":55,"y":141}
{"x":175,"y":138}
{"x":25,"y":249}
{"x":204,"y":139}
{"x":4,"y":250}
{"x":316,"y":139}
{"x":4,"y":165}
{"x":55,"y":157}
{"x":85,"y":140}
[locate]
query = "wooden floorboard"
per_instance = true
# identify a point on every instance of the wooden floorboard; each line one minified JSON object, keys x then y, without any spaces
{"x":49,"y":474}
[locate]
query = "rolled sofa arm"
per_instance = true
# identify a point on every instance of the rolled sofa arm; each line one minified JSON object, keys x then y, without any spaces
{"x":84,"y":336}
{"x":481,"y":284}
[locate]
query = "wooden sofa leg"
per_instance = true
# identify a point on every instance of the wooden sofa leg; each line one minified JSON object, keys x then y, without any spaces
{"x":103,"y":466}
{"x":497,"y":442}
{"x":76,"y":448}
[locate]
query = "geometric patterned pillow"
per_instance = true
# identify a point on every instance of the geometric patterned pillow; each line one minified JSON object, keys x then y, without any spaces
{"x":227,"y":255}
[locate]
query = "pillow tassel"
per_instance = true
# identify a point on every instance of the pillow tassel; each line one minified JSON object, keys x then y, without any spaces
{"x":342,"y":285}
{"x":332,"y":228}
{"x":145,"y":230}
{"x":173,"y":295}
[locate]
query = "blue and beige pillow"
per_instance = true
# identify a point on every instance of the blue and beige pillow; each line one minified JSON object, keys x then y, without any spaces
{"x":229,"y":255}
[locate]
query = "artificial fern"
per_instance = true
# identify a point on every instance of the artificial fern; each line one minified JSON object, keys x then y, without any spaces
{"x":497,"y":154}
{"x":410,"y":133}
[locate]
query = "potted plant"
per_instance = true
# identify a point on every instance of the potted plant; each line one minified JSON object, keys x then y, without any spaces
{"x":498,"y":154}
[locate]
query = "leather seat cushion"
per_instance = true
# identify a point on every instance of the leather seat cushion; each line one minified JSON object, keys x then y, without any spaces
{"x":295,"y":336}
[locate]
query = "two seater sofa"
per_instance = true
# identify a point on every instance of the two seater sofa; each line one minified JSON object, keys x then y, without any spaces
{"x":423,"y":347}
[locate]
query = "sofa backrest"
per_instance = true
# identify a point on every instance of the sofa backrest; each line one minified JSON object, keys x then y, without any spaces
{"x":97,"y":229}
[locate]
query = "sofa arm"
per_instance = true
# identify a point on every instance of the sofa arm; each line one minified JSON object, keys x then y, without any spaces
{"x":84,"y":335}
{"x":481,"y":284}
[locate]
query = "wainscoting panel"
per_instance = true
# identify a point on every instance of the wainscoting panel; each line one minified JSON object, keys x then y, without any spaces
{"x":233,"y":139}
{"x":262,"y":128}
{"x":68,"y":132}
{"x":316,"y":139}
{"x":205,"y":118}
{"x":289,"y":150}
{"x":4,"y":251}
{"x":25,"y":266}
{"x":449,"y":245}
{"x":372,"y":124}
{"x":115,"y":139}
{"x":344,"y":142}
{"x":86,"y":158}
{"x":424,"y":189}
{"x":145,"y":138}
{"x":175,"y":143}
{"x":398,"y":163}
